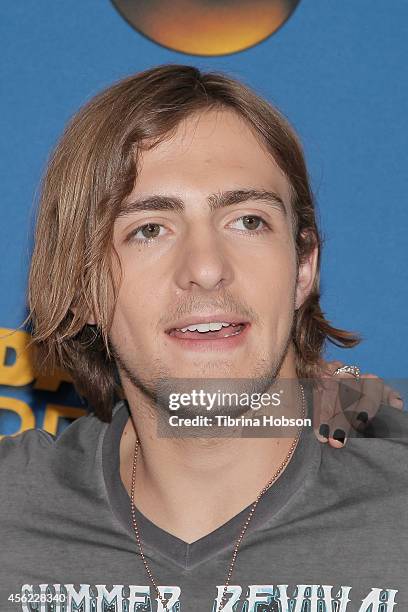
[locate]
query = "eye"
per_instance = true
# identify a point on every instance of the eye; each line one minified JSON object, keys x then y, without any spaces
{"x":253,"y":223}
{"x":145,"y":233}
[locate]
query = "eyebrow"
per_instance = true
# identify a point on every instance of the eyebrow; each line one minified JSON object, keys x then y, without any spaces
{"x":215,"y":201}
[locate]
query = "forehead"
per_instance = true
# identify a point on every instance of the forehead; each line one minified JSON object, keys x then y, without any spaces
{"x":212,"y":150}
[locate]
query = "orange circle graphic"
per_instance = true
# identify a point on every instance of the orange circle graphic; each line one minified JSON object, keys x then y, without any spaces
{"x":206,"y":27}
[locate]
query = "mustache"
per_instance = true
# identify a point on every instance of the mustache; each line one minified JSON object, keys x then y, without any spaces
{"x":195,"y":305}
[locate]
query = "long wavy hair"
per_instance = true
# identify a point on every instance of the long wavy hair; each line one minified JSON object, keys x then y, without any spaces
{"x":91,"y":171}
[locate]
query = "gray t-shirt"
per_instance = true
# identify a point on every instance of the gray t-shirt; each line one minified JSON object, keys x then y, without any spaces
{"x":329,"y":536}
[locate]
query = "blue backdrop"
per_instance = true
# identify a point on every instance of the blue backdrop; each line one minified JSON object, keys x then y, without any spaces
{"x":338,"y":72}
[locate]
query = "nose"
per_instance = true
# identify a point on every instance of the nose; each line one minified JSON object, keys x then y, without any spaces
{"x":202,"y":261}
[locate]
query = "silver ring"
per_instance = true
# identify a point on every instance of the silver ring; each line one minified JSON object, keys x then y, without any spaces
{"x":348,"y":369}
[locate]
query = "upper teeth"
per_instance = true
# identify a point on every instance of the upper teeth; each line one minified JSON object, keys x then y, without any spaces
{"x":205,"y":327}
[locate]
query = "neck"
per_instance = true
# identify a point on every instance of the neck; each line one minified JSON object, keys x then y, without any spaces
{"x":221,"y":475}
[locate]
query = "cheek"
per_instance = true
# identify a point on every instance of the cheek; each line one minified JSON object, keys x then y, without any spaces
{"x":271,"y":275}
{"x":133,"y":303}
{"x":140,"y":305}
{"x":270,"y":287}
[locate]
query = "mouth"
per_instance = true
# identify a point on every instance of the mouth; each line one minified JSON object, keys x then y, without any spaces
{"x":203,"y":331}
{"x":211,"y":334}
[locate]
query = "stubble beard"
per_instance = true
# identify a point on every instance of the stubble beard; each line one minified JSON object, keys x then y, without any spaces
{"x":154,"y":389}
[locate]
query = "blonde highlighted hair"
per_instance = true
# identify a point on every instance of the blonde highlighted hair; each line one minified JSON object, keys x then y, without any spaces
{"x":92,"y":170}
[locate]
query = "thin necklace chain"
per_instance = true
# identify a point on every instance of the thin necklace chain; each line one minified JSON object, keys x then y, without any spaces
{"x":245,"y":525}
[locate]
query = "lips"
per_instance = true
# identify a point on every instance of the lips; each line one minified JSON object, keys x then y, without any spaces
{"x":232,"y":329}
{"x":215,"y":317}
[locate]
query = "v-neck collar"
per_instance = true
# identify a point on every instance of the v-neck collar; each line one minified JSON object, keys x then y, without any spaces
{"x":187,"y":556}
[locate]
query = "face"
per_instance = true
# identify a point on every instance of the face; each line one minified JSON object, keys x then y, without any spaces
{"x":207,"y":244}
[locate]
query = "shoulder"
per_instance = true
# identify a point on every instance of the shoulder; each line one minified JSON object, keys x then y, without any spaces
{"x":387,"y":433}
{"x":32,"y":447}
{"x":21,"y":456}
{"x":21,"y":448}
{"x":35,"y":446}
{"x":35,"y":462}
{"x":377,"y":458}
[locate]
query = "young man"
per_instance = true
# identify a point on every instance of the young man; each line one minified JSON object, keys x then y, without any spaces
{"x":177,"y":241}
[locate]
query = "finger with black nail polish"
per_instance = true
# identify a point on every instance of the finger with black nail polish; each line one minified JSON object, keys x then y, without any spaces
{"x":363,"y":417}
{"x":339,"y":435}
{"x":324,"y":430}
